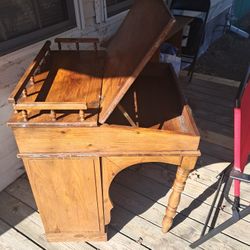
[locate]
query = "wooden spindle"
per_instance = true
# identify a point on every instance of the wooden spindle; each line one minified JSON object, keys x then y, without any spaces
{"x":77,"y":46}
{"x":25,"y":115}
{"x":82,"y":115}
{"x":24,"y":93}
{"x":53,"y":115}
{"x":14,"y":107}
{"x":32,"y":80}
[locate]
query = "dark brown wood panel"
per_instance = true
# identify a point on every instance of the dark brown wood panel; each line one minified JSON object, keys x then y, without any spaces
{"x":144,"y":29}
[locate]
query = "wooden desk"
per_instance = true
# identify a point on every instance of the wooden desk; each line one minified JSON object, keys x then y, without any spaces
{"x":81,"y":117}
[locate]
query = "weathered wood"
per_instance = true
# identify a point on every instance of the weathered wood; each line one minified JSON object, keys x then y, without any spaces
{"x":201,"y":181}
{"x":69,"y":210}
{"x":82,"y":79}
{"x":127,"y":55}
{"x":120,"y":140}
{"x":59,"y":41}
{"x":28,"y":222}
{"x":113,"y":165}
{"x":51,"y":105}
{"x":188,"y":230}
{"x":214,"y":127}
{"x":134,"y":202}
{"x":141,"y":230}
{"x":107,"y":154}
{"x":183,"y":170}
{"x":135,"y":228}
{"x":90,"y":85}
{"x":216,"y":138}
{"x":190,"y":207}
{"x":213,"y":90}
{"x":216,"y":79}
{"x":11,"y":239}
{"x":126,"y":115}
{"x":28,"y":73}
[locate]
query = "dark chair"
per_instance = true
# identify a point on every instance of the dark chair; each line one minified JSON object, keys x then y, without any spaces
{"x":234,"y":173}
{"x":199,"y":9}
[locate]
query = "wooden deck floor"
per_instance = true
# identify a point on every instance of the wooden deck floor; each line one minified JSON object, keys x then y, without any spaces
{"x":139,"y":193}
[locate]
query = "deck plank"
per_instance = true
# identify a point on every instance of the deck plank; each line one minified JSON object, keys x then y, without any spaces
{"x":10,"y":239}
{"x":21,"y":190}
{"x":195,"y":188}
{"x":195,"y":209}
{"x":188,"y":229}
{"x":28,"y":222}
{"x":136,"y":228}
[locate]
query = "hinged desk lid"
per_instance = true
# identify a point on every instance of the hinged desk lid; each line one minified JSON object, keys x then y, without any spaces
{"x":141,"y":34}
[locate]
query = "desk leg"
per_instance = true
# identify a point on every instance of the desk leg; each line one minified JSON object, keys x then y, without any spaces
{"x":187,"y":164}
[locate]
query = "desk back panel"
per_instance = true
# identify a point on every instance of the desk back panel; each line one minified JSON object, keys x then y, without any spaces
{"x":141,"y":34}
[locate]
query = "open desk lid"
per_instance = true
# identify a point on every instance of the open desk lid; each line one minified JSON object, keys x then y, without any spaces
{"x":140,"y":35}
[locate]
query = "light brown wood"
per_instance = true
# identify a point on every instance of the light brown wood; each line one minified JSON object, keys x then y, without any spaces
{"x":114,"y":165}
{"x":51,"y":105}
{"x":126,"y":115}
{"x":82,"y":122}
{"x":139,"y":199}
{"x":113,"y":139}
{"x":81,"y":79}
{"x":187,"y":164}
{"x":29,"y":73}
{"x":72,"y":209}
{"x":73,"y":237}
{"x":107,"y":154}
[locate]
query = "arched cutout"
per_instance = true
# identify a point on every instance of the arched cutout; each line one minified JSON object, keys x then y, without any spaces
{"x":112,"y":166}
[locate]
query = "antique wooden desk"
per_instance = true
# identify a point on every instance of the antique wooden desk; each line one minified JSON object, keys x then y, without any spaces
{"x":83,"y":116}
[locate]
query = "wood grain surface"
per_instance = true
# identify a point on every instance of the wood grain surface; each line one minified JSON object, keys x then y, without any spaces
{"x":71,"y":208}
{"x":131,"y":49}
{"x":71,"y":156}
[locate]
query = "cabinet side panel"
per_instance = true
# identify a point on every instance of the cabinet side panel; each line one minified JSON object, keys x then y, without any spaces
{"x":66,"y":194}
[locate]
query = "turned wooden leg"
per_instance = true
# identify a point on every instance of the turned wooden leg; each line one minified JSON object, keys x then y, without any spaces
{"x":187,"y":164}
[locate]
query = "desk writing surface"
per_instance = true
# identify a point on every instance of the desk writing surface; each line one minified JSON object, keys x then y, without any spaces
{"x":75,"y":76}
{"x":71,"y":77}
